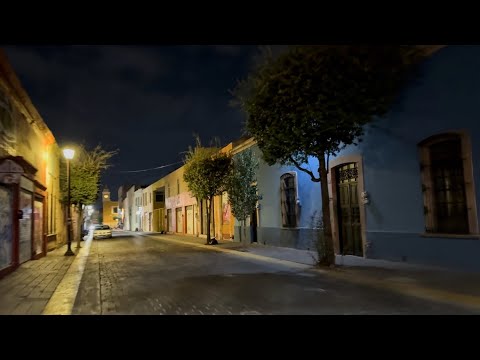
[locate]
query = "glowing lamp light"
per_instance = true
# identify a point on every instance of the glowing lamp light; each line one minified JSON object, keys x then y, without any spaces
{"x":68,"y":153}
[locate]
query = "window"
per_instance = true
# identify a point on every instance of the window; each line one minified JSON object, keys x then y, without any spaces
{"x":447,"y":184}
{"x":115,"y":210}
{"x":159,"y":197}
{"x":178,"y":186}
{"x":150,"y":198}
{"x":288,"y":199}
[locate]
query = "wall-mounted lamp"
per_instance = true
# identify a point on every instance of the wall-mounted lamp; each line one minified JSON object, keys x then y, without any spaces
{"x":365,"y":198}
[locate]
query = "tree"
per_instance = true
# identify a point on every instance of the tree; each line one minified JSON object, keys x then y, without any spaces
{"x":85,"y":172}
{"x":241,"y":186}
{"x":205,"y":171}
{"x":312,"y":101}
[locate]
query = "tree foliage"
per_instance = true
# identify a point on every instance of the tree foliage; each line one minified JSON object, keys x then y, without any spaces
{"x":206,"y":172}
{"x":312,"y":101}
{"x":85,"y":173}
{"x":241,"y":185}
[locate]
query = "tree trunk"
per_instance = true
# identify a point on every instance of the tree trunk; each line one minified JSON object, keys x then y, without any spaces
{"x":209,"y":202}
{"x":328,"y":256}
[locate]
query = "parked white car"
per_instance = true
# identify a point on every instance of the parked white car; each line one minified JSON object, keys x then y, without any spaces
{"x":102,"y":231}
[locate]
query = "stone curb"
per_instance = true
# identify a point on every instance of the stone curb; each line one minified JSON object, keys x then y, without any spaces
{"x":63,"y":299}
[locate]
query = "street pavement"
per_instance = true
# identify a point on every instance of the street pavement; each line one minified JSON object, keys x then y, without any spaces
{"x":153,"y":274}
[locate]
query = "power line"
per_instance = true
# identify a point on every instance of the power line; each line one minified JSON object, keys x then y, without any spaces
{"x":155,"y":168}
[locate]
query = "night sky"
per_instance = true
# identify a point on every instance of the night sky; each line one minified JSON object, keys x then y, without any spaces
{"x":145,"y":101}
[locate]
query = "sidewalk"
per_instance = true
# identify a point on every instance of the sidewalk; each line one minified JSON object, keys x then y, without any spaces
{"x":29,"y":288}
{"x":448,"y":286}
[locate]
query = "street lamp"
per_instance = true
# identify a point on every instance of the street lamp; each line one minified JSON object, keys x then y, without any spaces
{"x":69,"y":153}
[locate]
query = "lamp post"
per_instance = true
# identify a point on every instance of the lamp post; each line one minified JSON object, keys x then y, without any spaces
{"x":69,"y":153}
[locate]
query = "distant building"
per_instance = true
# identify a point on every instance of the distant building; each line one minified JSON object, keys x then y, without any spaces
{"x":110,"y":209}
{"x":128,"y":209}
{"x":122,"y":204}
{"x":182,"y":213}
{"x":154,"y":207}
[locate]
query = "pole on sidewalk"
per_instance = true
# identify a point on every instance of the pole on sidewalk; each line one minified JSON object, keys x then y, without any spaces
{"x":69,"y":251}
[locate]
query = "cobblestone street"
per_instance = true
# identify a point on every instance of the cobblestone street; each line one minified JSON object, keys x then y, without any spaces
{"x":143,"y":274}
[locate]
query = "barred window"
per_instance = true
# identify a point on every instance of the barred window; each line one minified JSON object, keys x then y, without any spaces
{"x":447,"y":184}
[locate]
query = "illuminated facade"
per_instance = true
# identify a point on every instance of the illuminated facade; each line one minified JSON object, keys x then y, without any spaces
{"x":110,"y":210}
{"x":32,"y":219}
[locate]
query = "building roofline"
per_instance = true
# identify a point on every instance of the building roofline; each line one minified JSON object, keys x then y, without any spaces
{"x":20,"y":96}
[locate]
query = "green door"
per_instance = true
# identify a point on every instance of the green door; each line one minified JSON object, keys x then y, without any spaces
{"x":348,"y":210}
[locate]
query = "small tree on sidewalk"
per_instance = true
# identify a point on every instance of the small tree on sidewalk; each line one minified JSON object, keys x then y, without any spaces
{"x":206,"y":173}
{"x":85,"y":173}
{"x":242,"y":188}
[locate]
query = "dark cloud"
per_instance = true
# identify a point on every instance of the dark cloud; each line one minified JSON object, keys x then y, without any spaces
{"x":146,"y":101}
{"x":231,"y":50}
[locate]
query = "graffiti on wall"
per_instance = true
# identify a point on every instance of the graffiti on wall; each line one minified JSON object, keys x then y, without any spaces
{"x":6,"y":245}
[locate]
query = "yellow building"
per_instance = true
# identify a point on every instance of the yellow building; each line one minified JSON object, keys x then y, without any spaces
{"x":223,"y":224}
{"x":181,"y":214}
{"x":110,"y":209}
{"x":32,"y":219}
